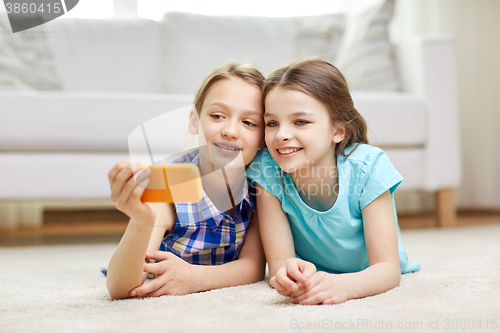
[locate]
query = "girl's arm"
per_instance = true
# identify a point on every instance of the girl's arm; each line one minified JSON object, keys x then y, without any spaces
{"x":384,"y":271}
{"x":381,"y":240}
{"x":144,"y":232}
{"x":286,"y":273}
{"x":174,"y":276}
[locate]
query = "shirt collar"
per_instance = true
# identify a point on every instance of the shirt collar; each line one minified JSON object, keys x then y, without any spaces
{"x":206,"y":207}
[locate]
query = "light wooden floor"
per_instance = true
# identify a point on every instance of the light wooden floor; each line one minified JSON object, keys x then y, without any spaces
{"x":105,"y":226}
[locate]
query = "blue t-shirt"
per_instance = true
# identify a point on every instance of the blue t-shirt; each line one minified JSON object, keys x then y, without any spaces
{"x":334,"y":240}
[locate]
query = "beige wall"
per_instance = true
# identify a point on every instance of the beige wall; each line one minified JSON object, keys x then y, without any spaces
{"x":475,"y":27}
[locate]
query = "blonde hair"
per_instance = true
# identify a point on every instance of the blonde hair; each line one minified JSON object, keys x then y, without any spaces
{"x":323,"y":81}
{"x":247,"y":73}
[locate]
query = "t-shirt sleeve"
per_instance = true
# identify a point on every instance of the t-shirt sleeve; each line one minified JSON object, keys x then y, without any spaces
{"x":378,"y":175}
{"x":265,"y":171}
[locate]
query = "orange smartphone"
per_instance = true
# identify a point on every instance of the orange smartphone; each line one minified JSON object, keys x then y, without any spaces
{"x":173,"y":183}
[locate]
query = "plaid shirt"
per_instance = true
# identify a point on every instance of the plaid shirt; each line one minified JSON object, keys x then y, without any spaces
{"x":202,"y":234}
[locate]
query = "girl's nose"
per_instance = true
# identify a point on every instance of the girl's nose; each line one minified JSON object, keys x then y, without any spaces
{"x":230,"y":130}
{"x":283,"y":134}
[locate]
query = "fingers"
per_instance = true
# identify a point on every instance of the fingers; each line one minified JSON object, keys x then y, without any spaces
{"x":123,"y":185}
{"x":306,"y":293}
{"x":293,"y":278}
{"x":282,"y":283}
{"x":332,"y":300}
{"x":314,"y":298}
{"x":156,"y":293}
{"x":309,"y":269}
{"x":158,"y":255}
{"x":147,"y":288}
{"x":115,"y":169}
{"x":300,"y":271}
{"x":306,"y":285}
{"x":281,"y":289}
{"x":135,"y":188}
{"x":117,"y":176}
{"x":295,"y":274}
{"x":142,"y":176}
{"x":156,"y":268}
{"x":323,"y":290}
{"x":121,"y":173}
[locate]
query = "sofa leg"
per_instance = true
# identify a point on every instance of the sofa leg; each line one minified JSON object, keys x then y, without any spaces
{"x":445,"y":208}
{"x":21,"y":214}
{"x":30,"y":214}
{"x":8,"y":215}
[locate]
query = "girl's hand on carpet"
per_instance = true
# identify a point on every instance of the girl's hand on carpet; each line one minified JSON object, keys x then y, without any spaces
{"x":293,"y":277}
{"x":174,"y":276}
{"x":325,"y":288}
{"x":126,"y":192}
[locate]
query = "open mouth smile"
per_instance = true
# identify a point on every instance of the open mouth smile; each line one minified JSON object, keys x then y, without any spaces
{"x":285,"y":152}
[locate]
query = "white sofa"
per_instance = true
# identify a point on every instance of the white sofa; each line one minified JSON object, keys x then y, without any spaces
{"x":117,"y":74}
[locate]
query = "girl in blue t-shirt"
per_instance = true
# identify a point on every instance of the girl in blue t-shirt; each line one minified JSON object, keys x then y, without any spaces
{"x":325,"y":196}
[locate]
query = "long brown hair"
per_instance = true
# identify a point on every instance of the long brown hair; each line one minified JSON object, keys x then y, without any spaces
{"x":323,"y":81}
{"x":247,"y":73}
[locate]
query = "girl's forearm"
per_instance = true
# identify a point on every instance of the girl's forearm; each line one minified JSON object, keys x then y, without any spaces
{"x":234,"y":273}
{"x":374,"y":280}
{"x":125,"y":270}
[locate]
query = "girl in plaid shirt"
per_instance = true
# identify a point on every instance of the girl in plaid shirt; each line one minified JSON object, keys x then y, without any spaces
{"x":204,"y":248}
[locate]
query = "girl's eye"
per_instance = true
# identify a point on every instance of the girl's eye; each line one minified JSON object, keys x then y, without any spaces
{"x":216,"y":116}
{"x":300,"y":122}
{"x":272,"y":124}
{"x":248,"y":123}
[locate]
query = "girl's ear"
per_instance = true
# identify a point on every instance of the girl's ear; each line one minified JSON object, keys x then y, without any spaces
{"x":338,"y":133}
{"x":194,"y":122}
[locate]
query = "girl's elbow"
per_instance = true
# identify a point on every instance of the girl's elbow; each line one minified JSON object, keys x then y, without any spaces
{"x":116,"y":294}
{"x":396,"y":275}
{"x":114,"y":291}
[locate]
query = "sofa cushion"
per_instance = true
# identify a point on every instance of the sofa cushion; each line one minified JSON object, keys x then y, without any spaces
{"x":193,"y":45}
{"x":366,"y":55}
{"x":393,"y":119}
{"x":318,"y":35}
{"x":115,"y":55}
{"x":84,"y":122}
{"x":26,"y":61}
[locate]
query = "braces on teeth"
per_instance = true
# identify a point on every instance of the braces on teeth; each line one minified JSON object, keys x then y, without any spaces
{"x":229,"y":148}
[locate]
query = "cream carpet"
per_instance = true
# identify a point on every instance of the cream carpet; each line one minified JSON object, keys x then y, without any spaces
{"x":60,"y":289}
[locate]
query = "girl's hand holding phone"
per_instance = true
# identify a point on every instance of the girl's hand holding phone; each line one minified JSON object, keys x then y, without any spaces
{"x":126,"y":192}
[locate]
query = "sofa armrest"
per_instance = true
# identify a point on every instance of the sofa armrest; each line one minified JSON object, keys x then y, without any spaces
{"x":428,"y":69}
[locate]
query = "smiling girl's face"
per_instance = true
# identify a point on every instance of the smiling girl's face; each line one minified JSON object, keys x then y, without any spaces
{"x":231,"y":121}
{"x":298,"y":130}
